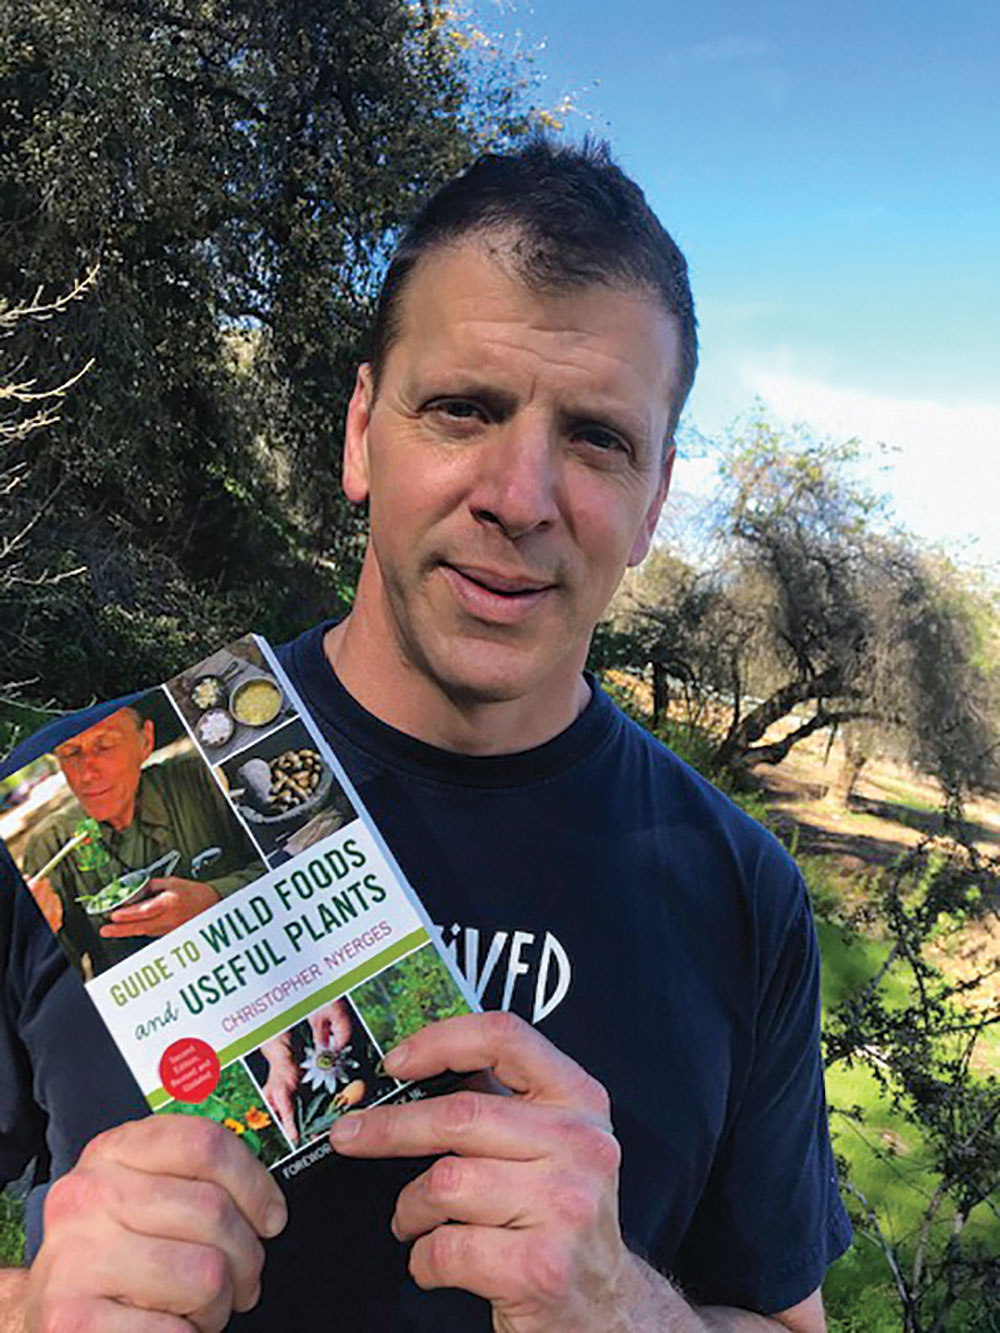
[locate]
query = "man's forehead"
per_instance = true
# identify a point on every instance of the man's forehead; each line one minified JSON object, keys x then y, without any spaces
{"x":467,"y":299}
{"x":118,"y":724}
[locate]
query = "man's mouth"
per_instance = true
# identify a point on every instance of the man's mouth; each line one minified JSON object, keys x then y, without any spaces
{"x":497,"y":597}
{"x":502,"y":584}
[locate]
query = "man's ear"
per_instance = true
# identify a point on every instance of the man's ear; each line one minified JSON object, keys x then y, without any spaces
{"x":147,"y":739}
{"x":354,"y":475}
{"x":644,"y":536}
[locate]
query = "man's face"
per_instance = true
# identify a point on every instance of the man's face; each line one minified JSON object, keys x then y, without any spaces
{"x":102,"y":766}
{"x":514,"y":464}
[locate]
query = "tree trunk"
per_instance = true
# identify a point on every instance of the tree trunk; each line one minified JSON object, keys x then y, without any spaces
{"x":855,"y":758}
{"x":734,"y":748}
{"x":661,"y":695}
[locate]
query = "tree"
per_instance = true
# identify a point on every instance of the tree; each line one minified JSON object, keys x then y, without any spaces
{"x":238,"y":169}
{"x":817,"y":614}
{"x":27,"y":406}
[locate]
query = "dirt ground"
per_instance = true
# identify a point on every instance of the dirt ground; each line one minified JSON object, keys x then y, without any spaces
{"x":891,"y":807}
{"x":890,"y":810}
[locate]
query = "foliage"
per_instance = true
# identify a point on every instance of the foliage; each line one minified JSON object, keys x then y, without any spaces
{"x":920,"y":1035}
{"x":18,"y":720}
{"x":11,"y":1229}
{"x":26,"y":407}
{"x":237,"y":171}
{"x":818,"y":616}
{"x":406,"y":996}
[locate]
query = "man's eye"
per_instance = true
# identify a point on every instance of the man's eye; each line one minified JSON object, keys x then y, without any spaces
{"x":458,"y":409}
{"x":601,"y":439}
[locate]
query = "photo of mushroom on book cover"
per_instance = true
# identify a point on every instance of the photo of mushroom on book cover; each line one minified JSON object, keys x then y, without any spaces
{"x":235,"y":916}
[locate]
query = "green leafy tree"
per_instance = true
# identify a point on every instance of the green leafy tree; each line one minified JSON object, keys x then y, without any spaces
{"x":237,"y":169}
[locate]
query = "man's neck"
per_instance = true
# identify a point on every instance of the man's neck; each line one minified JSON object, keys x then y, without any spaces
{"x":403,"y":697}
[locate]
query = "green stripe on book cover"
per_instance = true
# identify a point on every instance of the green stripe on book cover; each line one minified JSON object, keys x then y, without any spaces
{"x":287,"y":1018}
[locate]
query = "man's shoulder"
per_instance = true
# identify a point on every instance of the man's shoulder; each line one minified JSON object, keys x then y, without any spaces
{"x":653,"y":759}
{"x":177,"y":771}
{"x":697,"y":810}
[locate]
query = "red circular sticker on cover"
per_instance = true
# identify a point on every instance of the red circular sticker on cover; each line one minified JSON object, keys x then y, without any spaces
{"x":189,"y":1069}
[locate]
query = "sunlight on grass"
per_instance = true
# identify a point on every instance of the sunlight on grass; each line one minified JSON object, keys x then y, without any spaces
{"x":889,"y":1160}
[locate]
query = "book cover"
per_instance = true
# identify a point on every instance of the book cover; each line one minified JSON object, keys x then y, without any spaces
{"x":236,"y":917}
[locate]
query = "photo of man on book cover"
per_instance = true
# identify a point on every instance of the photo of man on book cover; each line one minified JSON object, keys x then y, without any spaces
{"x":134,"y":838}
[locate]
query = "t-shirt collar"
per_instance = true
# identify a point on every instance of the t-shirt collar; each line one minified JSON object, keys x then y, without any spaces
{"x":329,"y":700}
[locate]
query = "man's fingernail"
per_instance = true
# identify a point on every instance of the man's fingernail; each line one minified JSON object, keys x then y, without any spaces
{"x":275,"y":1218}
{"x":345,"y":1130}
{"x":396,"y":1058}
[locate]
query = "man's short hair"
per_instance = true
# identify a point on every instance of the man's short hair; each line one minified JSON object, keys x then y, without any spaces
{"x":575,"y":219}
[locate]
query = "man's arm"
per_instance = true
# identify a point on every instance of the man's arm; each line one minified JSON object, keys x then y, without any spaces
{"x":521,"y":1205}
{"x":806,"y":1317}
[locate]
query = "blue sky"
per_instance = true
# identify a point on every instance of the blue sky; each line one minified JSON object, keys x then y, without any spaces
{"x":832,"y":172}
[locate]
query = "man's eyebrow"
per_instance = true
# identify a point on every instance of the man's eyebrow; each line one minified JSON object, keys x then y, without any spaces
{"x":498,"y":402}
{"x":78,"y":742}
{"x":502,"y":404}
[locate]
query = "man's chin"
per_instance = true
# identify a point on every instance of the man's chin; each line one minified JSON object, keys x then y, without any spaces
{"x":485,"y":674}
{"x":103,"y":811}
{"x":468,"y":693}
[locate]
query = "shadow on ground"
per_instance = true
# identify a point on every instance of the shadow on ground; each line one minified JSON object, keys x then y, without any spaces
{"x":870,"y":831}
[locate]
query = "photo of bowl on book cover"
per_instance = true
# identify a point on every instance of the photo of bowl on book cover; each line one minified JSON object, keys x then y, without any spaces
{"x":236,"y":917}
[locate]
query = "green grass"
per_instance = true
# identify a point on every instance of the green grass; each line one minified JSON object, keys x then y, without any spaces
{"x":888,"y":1158}
{"x":900,"y":793}
{"x":11,"y":1226}
{"x":850,"y":961}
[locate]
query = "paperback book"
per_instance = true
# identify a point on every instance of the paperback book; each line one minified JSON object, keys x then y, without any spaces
{"x":235,"y":915}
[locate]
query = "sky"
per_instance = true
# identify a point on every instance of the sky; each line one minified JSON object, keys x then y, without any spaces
{"x":832,"y":173}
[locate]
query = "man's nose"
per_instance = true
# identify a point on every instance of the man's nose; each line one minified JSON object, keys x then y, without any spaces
{"x":90,"y":766}
{"x":518,"y":479}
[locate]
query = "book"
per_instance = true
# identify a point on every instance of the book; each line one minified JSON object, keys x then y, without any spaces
{"x":236,"y":917}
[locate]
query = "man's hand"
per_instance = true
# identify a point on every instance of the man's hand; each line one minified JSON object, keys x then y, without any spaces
{"x":48,"y":901}
{"x":532,"y":1178}
{"x":283,"y":1078}
{"x":331,"y":1026}
{"x":174,"y":901}
{"x":331,"y":1030}
{"x":156,"y":1230}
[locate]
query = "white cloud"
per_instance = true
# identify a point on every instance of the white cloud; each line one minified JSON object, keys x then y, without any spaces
{"x":942,"y":472}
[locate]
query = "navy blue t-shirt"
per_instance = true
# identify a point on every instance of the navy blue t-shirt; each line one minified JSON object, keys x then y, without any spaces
{"x":604,"y":891}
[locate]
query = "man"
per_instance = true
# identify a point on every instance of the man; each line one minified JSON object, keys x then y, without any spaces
{"x":165,"y":813}
{"x":513,"y":437}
